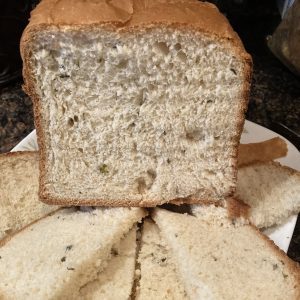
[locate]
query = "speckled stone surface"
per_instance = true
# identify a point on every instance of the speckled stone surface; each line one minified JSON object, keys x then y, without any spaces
{"x":16,"y":116}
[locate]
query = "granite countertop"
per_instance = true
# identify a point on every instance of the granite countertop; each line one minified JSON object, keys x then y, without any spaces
{"x":274,"y":99}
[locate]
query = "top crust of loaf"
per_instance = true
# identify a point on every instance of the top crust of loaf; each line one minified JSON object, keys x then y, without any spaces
{"x":128,"y":16}
{"x":130,"y":13}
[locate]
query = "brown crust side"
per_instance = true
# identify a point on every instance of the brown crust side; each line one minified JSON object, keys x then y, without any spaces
{"x":10,"y":236}
{"x":272,"y":163}
{"x":262,"y":152}
{"x":15,"y":154}
{"x":237,"y":208}
{"x":183,"y":15}
{"x":292,"y":266}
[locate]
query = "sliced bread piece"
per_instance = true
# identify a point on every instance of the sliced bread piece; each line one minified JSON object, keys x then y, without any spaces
{"x":158,"y":276}
{"x":116,"y":280}
{"x":262,"y":151}
{"x":136,"y":102}
{"x":19,"y":184}
{"x":53,"y":257}
{"x":271,"y":190}
{"x":222,"y":258}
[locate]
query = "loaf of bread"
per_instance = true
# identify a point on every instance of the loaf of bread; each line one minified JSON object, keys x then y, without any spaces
{"x":224,"y":258}
{"x":136,"y":102}
{"x":271,"y":190}
{"x":55,"y":256}
{"x":19,"y":184}
{"x":158,"y":278}
{"x":116,"y":280}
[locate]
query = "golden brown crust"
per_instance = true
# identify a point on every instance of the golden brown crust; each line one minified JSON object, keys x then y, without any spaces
{"x":236,"y":208}
{"x":262,"y":152}
{"x":128,"y":16}
{"x":14,"y":154}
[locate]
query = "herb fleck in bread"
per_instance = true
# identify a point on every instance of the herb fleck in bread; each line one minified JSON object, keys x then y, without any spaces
{"x":222,"y":258}
{"x":116,"y":280}
{"x":136,"y":102}
{"x":54,"y":257}
{"x":158,"y":276}
{"x":272,"y":191}
{"x":19,"y":184}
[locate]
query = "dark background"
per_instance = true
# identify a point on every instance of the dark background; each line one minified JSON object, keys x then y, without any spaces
{"x":275,"y":93}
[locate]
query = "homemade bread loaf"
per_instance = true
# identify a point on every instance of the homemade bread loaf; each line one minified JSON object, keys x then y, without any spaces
{"x":158,"y":276}
{"x":136,"y":102}
{"x":271,"y":190}
{"x":53,"y":257}
{"x":19,"y":183}
{"x":222,"y":258}
{"x":116,"y":280}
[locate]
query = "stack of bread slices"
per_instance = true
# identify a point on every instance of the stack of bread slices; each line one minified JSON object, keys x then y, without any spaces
{"x":140,"y":104}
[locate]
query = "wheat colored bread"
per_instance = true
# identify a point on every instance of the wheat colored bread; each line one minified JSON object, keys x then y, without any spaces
{"x":271,"y":190}
{"x":222,"y":258}
{"x":53,"y":257}
{"x":116,"y":280}
{"x":19,"y":183}
{"x":158,"y":278}
{"x":262,"y":151}
{"x":109,"y":81}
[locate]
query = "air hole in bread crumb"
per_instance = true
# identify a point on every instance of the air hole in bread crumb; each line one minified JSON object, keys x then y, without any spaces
{"x":68,"y":92}
{"x":162,"y":47}
{"x":233,"y":71}
{"x":141,"y":185}
{"x":168,"y":160}
{"x":150,"y":87}
{"x":71,"y":122}
{"x":177,"y":46}
{"x":76,"y":118}
{"x":182,"y":56}
{"x":122,"y":64}
{"x":134,"y":146}
{"x":152,"y":174}
{"x":195,"y":135}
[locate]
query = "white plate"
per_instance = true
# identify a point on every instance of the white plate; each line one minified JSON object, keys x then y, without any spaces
{"x":282,"y":234}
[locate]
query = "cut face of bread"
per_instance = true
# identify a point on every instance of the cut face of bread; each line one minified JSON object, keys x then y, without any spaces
{"x":222,"y":258}
{"x":136,"y":115}
{"x":116,"y":280}
{"x":272,"y":191}
{"x":19,"y":184}
{"x":158,"y":276}
{"x":54,"y":257}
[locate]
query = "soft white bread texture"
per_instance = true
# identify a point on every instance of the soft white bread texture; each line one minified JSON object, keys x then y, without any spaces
{"x":116,"y":281}
{"x":158,"y":276}
{"x":19,"y":184}
{"x":54,"y":257}
{"x":222,"y":258}
{"x":136,"y":102}
{"x":272,"y":191}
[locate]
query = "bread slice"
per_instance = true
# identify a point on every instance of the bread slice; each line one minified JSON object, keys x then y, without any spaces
{"x":136,"y":102}
{"x":19,"y":184}
{"x":272,"y":191}
{"x":116,"y":281}
{"x":158,"y":276}
{"x":222,"y":258}
{"x":54,"y":257}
